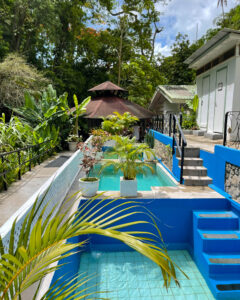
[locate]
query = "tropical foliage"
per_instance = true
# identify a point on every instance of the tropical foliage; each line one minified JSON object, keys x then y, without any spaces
{"x":79,"y":111}
{"x":17,"y":77}
{"x":42,"y":241}
{"x":119,"y":124}
{"x":130,"y":154}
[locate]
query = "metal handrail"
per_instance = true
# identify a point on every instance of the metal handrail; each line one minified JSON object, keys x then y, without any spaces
{"x":180,"y":142}
{"x":22,"y":163}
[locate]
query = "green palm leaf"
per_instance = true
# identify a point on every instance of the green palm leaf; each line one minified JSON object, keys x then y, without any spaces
{"x":43,"y":244}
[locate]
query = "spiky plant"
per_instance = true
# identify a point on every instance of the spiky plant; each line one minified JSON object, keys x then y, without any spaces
{"x":130,"y":154}
{"x":31,"y":254}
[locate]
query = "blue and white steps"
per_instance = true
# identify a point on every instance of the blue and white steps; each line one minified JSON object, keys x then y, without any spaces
{"x":216,"y":239}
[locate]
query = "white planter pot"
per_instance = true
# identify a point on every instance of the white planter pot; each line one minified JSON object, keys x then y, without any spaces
{"x":128,"y":188}
{"x":110,"y":143}
{"x":72,"y":146}
{"x":89,"y":188}
{"x":151,"y":157}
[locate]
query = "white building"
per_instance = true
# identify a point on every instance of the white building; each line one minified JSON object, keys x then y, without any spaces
{"x":170,"y":98}
{"x":218,"y":80}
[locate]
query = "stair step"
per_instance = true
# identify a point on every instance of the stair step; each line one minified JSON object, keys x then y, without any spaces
{"x":189,"y":152}
{"x":194,"y":171}
{"x":226,"y":288}
{"x":225,"y":241}
{"x":222,"y":263}
{"x":220,"y":236}
{"x":197,"y":180}
{"x":222,"y":220}
{"x":191,"y":161}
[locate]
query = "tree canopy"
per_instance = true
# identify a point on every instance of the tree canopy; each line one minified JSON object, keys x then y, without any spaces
{"x":80,"y":43}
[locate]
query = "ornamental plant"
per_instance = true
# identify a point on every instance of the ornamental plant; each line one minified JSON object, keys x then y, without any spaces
{"x":89,"y":160}
{"x":118,"y":124}
{"x":130,"y":156}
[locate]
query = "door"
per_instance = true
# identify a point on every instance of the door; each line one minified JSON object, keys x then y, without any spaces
{"x":220,"y":95}
{"x":204,"y":102}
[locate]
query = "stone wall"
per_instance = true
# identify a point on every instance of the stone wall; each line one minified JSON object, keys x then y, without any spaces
{"x":232,"y":181}
{"x":164,"y":152}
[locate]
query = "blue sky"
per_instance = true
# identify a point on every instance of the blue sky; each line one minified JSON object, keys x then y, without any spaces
{"x":183,"y":16}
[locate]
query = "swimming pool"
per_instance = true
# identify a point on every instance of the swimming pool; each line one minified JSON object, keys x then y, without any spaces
{"x":131,"y":276}
{"x":110,"y":181}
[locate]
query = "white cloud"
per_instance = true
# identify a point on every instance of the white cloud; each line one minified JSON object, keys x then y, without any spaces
{"x":163,"y":50}
{"x":185,"y":16}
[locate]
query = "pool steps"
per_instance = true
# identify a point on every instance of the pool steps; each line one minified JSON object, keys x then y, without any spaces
{"x":216,"y":239}
{"x":194,"y":173}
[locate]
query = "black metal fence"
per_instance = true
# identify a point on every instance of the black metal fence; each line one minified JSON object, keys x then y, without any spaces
{"x":21,"y":158}
{"x":231,"y":136}
{"x":171,"y":124}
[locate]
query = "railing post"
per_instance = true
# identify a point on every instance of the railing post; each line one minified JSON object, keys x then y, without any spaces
{"x":180,"y":135}
{"x":19,"y":164}
{"x":4,"y":176}
{"x":38,"y":154}
{"x":174,"y":129}
{"x":225,"y":129}
{"x":170,"y":124}
{"x":182,"y":164}
{"x":162,"y":123}
{"x":29,"y":154}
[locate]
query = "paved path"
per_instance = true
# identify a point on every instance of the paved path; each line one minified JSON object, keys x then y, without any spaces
{"x":202,"y":142}
{"x":20,"y":191}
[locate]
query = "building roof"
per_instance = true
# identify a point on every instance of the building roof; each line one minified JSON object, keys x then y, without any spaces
{"x":106,"y":86}
{"x":176,"y":94}
{"x":220,"y":43}
{"x":106,"y":105}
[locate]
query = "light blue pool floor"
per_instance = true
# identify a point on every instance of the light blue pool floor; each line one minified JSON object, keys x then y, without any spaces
{"x":131,"y":276}
{"x":110,"y":181}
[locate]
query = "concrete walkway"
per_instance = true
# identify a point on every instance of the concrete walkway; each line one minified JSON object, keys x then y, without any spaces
{"x":20,"y":191}
{"x":202,"y":142}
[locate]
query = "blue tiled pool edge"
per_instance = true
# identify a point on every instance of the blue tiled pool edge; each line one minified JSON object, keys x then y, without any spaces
{"x":176,"y":223}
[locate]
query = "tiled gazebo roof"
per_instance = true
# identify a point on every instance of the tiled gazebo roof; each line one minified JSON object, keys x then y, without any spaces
{"x":107,"y":86}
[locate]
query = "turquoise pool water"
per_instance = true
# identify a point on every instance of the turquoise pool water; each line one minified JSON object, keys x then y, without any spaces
{"x":111,"y":182}
{"x":132,"y":276}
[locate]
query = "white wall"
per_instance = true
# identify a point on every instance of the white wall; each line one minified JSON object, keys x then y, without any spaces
{"x":231,"y":67}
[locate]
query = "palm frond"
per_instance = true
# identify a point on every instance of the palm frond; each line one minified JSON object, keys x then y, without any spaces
{"x":43,"y":244}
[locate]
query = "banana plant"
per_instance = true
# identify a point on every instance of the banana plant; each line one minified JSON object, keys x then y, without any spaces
{"x":80,"y":110}
{"x":31,"y":254}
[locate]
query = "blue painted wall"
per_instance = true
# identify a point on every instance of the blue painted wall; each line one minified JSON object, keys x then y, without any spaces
{"x":174,"y":218}
{"x":216,"y":163}
{"x":167,"y":140}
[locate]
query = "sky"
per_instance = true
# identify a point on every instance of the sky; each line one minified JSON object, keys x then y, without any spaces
{"x":183,"y":16}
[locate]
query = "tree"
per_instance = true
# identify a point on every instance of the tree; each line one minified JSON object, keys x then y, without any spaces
{"x":173,"y":67}
{"x":17,"y":77}
{"x":141,"y":77}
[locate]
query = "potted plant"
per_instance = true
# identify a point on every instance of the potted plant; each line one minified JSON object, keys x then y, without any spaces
{"x":89,"y":185}
{"x":130,"y":163}
{"x":73,"y":140}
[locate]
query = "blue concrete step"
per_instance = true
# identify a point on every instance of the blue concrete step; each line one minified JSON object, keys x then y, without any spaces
{"x":228,"y":288}
{"x":222,"y":264}
{"x":217,"y":251}
{"x":224,"y":241}
{"x":220,"y":220}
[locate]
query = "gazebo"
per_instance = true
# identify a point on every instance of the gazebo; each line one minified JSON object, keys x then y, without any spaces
{"x":108,"y":98}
